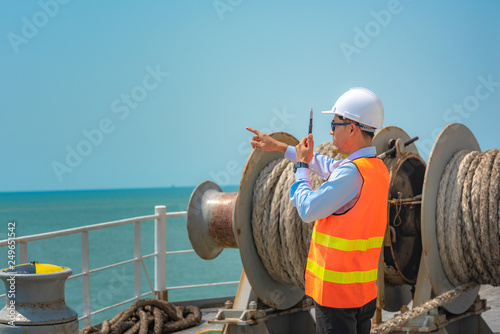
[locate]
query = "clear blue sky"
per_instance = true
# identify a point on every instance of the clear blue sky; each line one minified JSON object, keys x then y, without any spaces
{"x":136,"y":94}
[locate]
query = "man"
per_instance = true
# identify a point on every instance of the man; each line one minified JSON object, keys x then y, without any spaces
{"x":349,"y":211}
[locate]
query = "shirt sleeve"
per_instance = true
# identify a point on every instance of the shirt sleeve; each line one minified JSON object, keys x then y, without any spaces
{"x":320,"y":164}
{"x":342,"y":187}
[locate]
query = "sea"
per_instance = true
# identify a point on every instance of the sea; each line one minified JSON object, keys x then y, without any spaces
{"x":40,"y":212}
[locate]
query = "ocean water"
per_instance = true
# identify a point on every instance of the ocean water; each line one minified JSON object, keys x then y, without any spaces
{"x":40,"y":212}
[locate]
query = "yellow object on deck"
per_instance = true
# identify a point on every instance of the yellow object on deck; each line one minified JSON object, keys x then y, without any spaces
{"x":35,"y":268}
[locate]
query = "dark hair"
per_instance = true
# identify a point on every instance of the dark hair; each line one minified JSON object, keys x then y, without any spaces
{"x":365,"y":133}
{"x":369,"y":134}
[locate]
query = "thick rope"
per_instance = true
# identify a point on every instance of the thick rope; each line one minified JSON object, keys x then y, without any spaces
{"x":467,"y":218}
{"x":281,"y":237}
{"x":441,"y":300}
{"x":467,"y":227}
{"x":149,"y":316}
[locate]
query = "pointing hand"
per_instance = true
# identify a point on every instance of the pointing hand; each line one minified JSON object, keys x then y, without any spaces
{"x":264,"y":142}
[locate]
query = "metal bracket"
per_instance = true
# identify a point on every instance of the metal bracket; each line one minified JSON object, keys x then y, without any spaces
{"x":296,"y":320}
{"x":239,"y":317}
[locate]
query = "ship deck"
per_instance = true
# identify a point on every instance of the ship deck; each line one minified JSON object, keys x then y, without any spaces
{"x":204,"y":326}
{"x":492,"y":316}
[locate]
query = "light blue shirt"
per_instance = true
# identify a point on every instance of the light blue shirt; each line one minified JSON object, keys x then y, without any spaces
{"x":340,"y":191}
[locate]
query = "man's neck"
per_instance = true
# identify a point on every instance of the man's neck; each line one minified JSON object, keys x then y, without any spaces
{"x":364,"y":144}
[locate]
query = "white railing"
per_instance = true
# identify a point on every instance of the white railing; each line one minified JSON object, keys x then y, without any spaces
{"x":160,"y":253}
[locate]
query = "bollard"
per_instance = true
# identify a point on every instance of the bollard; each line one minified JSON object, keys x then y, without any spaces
{"x":35,"y":300}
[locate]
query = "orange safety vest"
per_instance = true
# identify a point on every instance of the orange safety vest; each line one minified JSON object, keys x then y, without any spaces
{"x":342,"y":265}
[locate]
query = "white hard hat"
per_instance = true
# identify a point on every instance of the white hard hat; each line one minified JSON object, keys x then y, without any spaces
{"x":360,"y":105}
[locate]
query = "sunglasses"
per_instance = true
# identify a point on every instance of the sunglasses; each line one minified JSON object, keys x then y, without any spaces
{"x":335,"y":124}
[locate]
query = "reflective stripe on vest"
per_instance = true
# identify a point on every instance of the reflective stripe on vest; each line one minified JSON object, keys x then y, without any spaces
{"x":345,"y":244}
{"x":341,"y":277}
{"x":342,"y":264}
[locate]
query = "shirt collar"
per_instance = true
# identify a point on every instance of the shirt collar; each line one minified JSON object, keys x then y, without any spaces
{"x":365,"y":152}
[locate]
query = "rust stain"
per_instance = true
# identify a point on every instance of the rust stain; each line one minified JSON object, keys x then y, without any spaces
{"x":220,"y":226}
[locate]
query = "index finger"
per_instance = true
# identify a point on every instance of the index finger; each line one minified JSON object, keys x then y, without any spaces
{"x":253,"y":130}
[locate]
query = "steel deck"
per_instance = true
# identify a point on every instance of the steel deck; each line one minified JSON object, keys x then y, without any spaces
{"x":492,"y":317}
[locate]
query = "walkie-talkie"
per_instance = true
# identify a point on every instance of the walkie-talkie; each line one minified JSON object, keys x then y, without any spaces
{"x":311,"y":122}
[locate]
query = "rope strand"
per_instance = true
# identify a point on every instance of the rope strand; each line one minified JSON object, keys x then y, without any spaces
{"x":467,"y":228}
{"x":149,"y":316}
{"x":467,"y":218}
{"x":281,"y":237}
{"x":442,"y":299}
{"x":467,"y":225}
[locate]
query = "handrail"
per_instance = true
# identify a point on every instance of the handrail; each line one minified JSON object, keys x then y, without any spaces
{"x":202,"y":285}
{"x":160,"y":258}
{"x":87,"y":228}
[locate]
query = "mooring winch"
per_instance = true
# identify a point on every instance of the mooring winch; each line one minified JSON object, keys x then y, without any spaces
{"x":410,"y":268}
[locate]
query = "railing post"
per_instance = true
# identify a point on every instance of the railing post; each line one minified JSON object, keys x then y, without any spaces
{"x":23,"y":252}
{"x":137,"y":262}
{"x":160,"y":251}
{"x":86,"y":279}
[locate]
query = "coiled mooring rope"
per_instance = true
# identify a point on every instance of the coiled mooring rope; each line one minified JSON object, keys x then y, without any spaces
{"x":467,"y":214}
{"x":149,"y":316}
{"x":281,"y":237}
{"x":467,"y":228}
{"x":440,"y":300}
{"x":468,"y":218}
